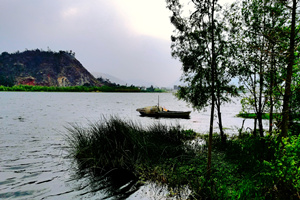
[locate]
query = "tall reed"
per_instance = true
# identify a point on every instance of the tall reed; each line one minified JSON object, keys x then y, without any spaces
{"x":122,"y":144}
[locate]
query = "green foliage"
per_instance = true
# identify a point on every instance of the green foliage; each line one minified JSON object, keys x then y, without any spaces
{"x":253,"y":168}
{"x":30,"y":88}
{"x":254,"y":115}
{"x":246,"y":167}
{"x":189,"y":134}
{"x":104,"y":88}
{"x":199,"y":42}
{"x":7,"y":81}
{"x":283,"y":172}
{"x":259,"y":35}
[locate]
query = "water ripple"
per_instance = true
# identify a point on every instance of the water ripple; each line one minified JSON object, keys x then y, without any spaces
{"x":16,"y":194}
{"x":34,"y":162}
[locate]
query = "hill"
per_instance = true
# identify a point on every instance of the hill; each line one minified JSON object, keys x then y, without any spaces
{"x":45,"y":68}
{"x":109,"y":78}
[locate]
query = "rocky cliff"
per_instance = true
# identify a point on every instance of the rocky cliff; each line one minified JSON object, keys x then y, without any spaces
{"x":44,"y":68}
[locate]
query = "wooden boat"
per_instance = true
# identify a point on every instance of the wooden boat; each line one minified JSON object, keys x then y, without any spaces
{"x":158,"y":111}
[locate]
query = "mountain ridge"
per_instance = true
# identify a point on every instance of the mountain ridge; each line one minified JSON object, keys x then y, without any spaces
{"x":44,"y":68}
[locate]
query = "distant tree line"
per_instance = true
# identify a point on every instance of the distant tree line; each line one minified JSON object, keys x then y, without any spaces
{"x":107,"y":82}
{"x":84,"y":88}
{"x":36,"y":88}
{"x":69,"y":52}
{"x":7,"y":81}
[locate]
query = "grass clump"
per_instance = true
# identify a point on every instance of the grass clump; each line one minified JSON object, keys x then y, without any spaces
{"x":254,"y":115}
{"x":119,"y":144}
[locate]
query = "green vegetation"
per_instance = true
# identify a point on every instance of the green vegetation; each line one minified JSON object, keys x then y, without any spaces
{"x":154,"y":90}
{"x":7,"y":81}
{"x":294,"y":116}
{"x":254,"y":115}
{"x":253,"y":41}
{"x":29,"y":88}
{"x":114,"y":143}
{"x":246,"y":167}
{"x":105,"y":88}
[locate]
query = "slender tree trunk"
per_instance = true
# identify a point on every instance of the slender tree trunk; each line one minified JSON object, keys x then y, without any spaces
{"x":255,"y":105}
{"x":213,"y":61}
{"x":287,"y":94}
{"x":223,"y":137}
{"x":255,"y":125}
{"x":261,"y":81}
{"x":210,"y":136}
{"x":272,"y":71}
{"x":272,"y":75}
{"x":261,"y":85}
{"x":260,"y":124}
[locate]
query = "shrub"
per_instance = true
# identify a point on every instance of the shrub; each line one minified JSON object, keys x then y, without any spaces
{"x":283,"y":172}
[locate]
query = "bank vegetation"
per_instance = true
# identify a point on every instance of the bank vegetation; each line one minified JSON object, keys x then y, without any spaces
{"x":246,"y":167}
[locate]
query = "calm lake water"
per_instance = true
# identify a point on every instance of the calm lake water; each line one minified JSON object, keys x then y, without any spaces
{"x":34,"y":162}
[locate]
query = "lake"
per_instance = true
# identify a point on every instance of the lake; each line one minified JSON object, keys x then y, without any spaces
{"x":34,"y":162}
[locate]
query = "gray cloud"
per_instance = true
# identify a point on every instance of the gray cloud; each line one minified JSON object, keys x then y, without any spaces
{"x":95,"y":30}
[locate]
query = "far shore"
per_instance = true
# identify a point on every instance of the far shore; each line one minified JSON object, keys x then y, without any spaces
{"x":36,"y":88}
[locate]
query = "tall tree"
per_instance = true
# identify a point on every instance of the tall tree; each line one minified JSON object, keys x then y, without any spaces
{"x":259,"y":38}
{"x":266,"y":37}
{"x":276,"y":39}
{"x":250,"y":53}
{"x":289,"y":72}
{"x":200,"y":44}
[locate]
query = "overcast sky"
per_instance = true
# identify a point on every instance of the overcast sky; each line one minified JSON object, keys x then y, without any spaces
{"x":128,"y":39}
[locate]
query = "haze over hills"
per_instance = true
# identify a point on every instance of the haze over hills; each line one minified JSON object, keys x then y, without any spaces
{"x":111,"y":78}
{"x":116,"y":80}
{"x":139,"y":82}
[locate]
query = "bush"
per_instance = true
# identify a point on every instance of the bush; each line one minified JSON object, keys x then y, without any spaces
{"x":283,"y":172}
{"x":256,"y":168}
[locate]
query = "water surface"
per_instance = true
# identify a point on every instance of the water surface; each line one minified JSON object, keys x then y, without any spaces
{"x":34,"y":162}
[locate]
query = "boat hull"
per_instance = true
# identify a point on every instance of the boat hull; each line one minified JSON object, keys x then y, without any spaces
{"x":158,"y":111}
{"x":168,"y":114}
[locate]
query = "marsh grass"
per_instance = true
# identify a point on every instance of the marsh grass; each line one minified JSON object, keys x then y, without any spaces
{"x":112,"y":149}
{"x":122,"y":144}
